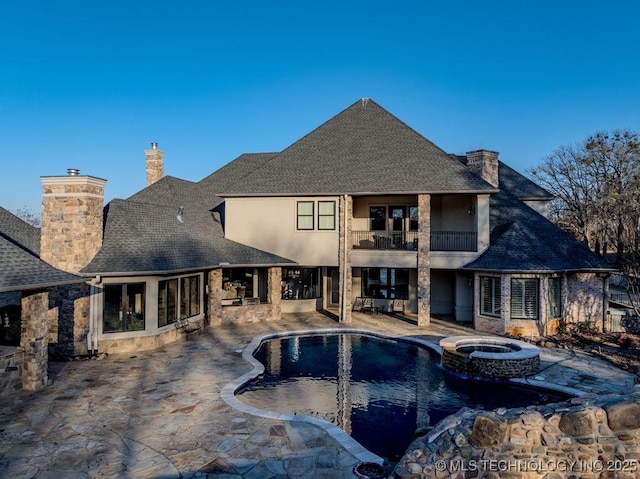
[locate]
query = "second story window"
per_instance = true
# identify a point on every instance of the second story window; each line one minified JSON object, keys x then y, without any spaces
{"x":304,"y":215}
{"x":326,"y":215}
{"x":378,"y":218}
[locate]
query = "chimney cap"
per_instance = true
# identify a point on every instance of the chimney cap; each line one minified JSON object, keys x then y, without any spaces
{"x":73,"y":171}
{"x":154,"y":145}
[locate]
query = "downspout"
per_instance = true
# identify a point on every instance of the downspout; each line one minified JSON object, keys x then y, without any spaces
{"x":92,"y":313}
{"x":92,"y":336}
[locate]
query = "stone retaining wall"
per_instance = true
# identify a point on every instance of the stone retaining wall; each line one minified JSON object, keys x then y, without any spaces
{"x":590,"y":437}
{"x":11,"y":364}
{"x":140,"y":343}
{"x":248,"y":314}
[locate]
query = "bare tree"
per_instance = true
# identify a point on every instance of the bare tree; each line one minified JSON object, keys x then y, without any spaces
{"x":597,"y":187}
{"x":28,"y":216}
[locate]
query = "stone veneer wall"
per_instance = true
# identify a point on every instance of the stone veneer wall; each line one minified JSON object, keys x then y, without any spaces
{"x":490,"y":368}
{"x":142,"y":343}
{"x":33,"y":339}
{"x":248,"y":314}
{"x":11,"y":368}
{"x":424,"y":262}
{"x":588,"y":437}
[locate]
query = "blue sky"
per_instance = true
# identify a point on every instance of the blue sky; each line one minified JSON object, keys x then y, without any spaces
{"x":91,"y":84}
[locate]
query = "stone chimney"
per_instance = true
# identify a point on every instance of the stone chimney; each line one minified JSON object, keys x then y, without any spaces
{"x":484,"y":163}
{"x":155,"y":164}
{"x":71,"y":232}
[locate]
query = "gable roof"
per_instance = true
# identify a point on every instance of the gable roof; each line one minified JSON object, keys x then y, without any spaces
{"x":19,"y":232}
{"x":146,"y":237}
{"x":524,"y":241}
{"x":362,"y":150}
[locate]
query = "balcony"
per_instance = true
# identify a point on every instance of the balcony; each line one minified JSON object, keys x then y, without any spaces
{"x":408,"y":240}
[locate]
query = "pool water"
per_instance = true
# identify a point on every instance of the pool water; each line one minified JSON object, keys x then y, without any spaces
{"x":378,"y":390}
{"x":484,"y":348}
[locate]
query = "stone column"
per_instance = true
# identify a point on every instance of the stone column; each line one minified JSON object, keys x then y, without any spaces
{"x":424,"y":261}
{"x":345,"y":247}
{"x":274,"y":291}
{"x":33,"y":339}
{"x":215,"y":296}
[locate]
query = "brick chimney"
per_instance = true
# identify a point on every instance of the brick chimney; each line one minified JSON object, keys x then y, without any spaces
{"x":71,"y":232}
{"x":484,"y":163}
{"x":155,"y":164}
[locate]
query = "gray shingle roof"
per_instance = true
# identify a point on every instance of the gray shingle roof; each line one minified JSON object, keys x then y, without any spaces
{"x":522,"y":240}
{"x":21,"y":270}
{"x":146,"y":237}
{"x":20,"y":232}
{"x":233,"y":173}
{"x":520,"y":186}
{"x":363,"y":149}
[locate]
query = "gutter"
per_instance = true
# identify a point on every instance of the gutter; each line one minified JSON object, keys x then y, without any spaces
{"x":31,"y":286}
{"x":185,"y":270}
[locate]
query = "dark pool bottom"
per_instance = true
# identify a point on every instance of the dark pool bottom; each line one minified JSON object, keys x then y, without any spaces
{"x":378,"y":390}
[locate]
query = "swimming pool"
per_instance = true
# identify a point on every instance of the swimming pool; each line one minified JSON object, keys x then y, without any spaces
{"x":376,"y":389}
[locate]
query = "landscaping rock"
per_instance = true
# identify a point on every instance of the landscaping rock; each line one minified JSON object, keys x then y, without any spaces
{"x":487,"y":432}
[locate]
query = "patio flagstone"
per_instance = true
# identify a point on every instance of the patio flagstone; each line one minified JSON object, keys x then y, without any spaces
{"x":160,"y":414}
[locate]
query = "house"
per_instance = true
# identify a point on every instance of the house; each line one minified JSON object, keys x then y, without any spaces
{"x":362,"y":206}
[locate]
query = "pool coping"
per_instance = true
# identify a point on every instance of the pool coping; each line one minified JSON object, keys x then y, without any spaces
{"x":345,"y":440}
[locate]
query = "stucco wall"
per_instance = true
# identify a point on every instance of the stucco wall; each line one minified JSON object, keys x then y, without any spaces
{"x":269,"y":224}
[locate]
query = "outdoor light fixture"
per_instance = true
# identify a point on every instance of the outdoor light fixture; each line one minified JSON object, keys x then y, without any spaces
{"x":6,"y":320}
{"x":470,"y":211}
{"x":180,"y":216}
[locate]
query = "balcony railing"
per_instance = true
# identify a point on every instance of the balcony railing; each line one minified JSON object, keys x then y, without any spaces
{"x":408,"y":240}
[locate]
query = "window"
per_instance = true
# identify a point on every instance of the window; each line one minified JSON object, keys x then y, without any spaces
{"x":326,"y":215}
{"x":167,"y":302}
{"x":378,"y":218}
{"x":123,"y":307}
{"x":300,"y":283}
{"x":413,"y":218}
{"x":237,"y":283}
{"x":305,"y":215}
{"x":555,"y":297}
{"x":524,"y":298}
{"x":189,"y":296}
{"x":386,"y":283}
{"x":490,"y":295}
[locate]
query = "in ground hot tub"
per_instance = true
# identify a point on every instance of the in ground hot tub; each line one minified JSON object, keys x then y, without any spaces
{"x":490,"y":357}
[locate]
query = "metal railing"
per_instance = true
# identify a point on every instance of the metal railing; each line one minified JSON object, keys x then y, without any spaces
{"x":408,"y":240}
